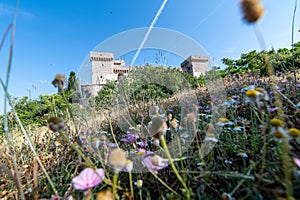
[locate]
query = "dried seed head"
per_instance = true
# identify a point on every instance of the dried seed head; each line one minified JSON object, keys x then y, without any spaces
{"x":59,"y":81}
{"x":117,"y":159}
{"x":55,"y":124}
{"x":158,"y":127}
{"x":252,"y":10}
{"x":153,"y":110}
{"x":105,"y":195}
{"x":191,"y":117}
{"x":209,"y":128}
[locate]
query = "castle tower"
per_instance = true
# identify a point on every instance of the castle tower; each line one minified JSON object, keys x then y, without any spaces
{"x":195,"y":65}
{"x":102,"y":66}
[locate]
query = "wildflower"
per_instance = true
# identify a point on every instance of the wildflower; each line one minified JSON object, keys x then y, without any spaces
{"x":174,"y":124}
{"x":245,"y":88}
{"x":95,"y":143}
{"x":88,"y":178}
{"x":155,"y":163}
{"x":251,"y":93}
{"x":227,"y":162}
{"x":238,"y":128}
{"x":276,"y":122}
{"x":129,"y":166}
{"x":257,"y":96}
{"x":130,"y":138}
{"x":57,"y":143}
{"x":294,"y":132}
{"x":55,"y":124}
{"x":226,"y":196}
{"x":139,"y":183}
{"x":272,"y":109}
{"x":262,"y":94}
{"x":117,"y":159}
{"x":243,"y":154}
{"x":169,"y":116}
{"x":59,"y":81}
{"x":230,"y":101}
{"x":105,"y":195}
{"x":210,"y":137}
{"x":224,"y":121}
{"x":297,"y":162}
{"x":252,"y":10}
{"x":201,"y":163}
{"x":289,"y":77}
{"x":112,"y":145}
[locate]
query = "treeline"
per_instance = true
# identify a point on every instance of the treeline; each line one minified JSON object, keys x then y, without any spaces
{"x":282,"y":60}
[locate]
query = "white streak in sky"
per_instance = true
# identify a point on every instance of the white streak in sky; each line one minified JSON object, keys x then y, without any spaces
{"x":148,"y":32}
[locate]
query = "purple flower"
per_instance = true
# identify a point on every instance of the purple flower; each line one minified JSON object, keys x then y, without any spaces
{"x":154,"y":163}
{"x":130,"y":138}
{"x":88,"y":178}
{"x":145,"y":152}
{"x":112,"y":145}
{"x":142,"y":143}
{"x":272,"y":109}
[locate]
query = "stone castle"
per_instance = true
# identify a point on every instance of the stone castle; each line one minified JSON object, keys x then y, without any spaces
{"x":105,"y":67}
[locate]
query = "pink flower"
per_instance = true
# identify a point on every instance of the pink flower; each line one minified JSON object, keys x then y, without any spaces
{"x":154,"y":164}
{"x":297,"y":161}
{"x":88,"y":178}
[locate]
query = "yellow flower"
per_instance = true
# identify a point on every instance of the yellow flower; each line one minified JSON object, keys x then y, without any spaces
{"x":279,"y":135}
{"x":294,"y":132}
{"x":251,"y":93}
{"x":223,"y":120}
{"x":229,"y":98}
{"x":139,"y":183}
{"x":276,"y":122}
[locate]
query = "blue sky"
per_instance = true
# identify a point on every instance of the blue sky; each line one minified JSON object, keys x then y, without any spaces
{"x":55,"y":36}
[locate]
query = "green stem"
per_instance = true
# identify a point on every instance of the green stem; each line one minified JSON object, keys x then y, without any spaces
{"x":164,"y":145}
{"x":287,"y":169}
{"x":131,"y":185}
{"x":70,"y":112}
{"x":114,"y":186}
{"x":112,"y":131}
{"x":78,"y":151}
{"x":164,"y":184}
{"x":140,"y":194}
